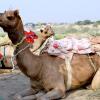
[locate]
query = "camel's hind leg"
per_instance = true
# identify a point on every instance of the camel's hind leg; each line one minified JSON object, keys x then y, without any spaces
{"x":96,"y":81}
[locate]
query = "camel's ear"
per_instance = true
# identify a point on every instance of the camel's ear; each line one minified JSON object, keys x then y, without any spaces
{"x":16,"y":12}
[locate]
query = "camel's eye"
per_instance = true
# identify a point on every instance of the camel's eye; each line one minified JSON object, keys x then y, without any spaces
{"x":45,"y":32}
{"x":10,"y":18}
{"x":41,"y":30}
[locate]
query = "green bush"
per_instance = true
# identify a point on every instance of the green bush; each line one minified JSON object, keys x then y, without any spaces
{"x":59,"y":36}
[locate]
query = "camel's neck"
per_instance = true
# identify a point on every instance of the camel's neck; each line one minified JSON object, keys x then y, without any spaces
{"x":27,"y":61}
{"x":41,"y":38}
{"x":22,"y":47}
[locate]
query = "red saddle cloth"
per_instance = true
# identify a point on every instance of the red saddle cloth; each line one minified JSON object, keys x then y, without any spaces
{"x":30,"y":36}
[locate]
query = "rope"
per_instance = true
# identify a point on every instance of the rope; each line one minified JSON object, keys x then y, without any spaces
{"x":19,"y":42}
{"x":69,"y":70}
{"x":41,"y":49}
{"x":12,"y":62}
{"x":12,"y":58}
{"x":21,"y":50}
{"x":91,"y":62}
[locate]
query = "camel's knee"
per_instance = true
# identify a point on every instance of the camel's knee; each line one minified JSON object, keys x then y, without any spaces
{"x":61,"y":88}
{"x":61,"y":91}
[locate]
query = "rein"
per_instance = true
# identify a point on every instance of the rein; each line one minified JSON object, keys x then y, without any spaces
{"x":12,"y":58}
{"x":68,"y":79}
{"x":19,"y":42}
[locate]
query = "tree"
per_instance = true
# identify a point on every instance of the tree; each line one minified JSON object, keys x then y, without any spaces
{"x":85,"y":22}
{"x":97,"y":22}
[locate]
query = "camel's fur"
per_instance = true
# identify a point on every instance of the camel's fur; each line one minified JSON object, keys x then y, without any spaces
{"x":46,"y":72}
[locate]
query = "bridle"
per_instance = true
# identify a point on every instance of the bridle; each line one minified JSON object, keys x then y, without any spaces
{"x":92,"y":63}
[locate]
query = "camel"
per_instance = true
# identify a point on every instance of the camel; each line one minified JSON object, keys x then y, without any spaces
{"x":46,"y":72}
{"x":43,"y":35}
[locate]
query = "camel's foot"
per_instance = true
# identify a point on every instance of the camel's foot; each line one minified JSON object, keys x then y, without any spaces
{"x":29,"y":97}
{"x":17,"y":97}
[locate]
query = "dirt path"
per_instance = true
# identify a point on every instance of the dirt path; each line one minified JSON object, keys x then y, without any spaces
{"x":11,"y":84}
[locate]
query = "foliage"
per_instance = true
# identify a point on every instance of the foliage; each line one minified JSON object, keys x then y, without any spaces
{"x":59,"y":36}
{"x":85,"y":22}
{"x":97,"y":22}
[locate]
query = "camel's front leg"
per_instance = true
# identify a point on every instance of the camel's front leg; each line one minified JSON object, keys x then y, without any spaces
{"x":53,"y":94}
{"x":33,"y":97}
{"x":24,"y":93}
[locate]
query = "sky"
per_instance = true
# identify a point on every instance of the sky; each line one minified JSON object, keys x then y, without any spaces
{"x":55,"y":11}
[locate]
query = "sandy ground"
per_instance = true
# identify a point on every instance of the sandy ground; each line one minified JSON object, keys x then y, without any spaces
{"x":13,"y":83}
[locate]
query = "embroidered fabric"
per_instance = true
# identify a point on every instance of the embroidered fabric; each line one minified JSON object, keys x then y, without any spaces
{"x":66,"y":45}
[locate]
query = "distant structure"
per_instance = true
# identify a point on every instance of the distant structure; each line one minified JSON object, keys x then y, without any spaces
{"x":29,"y":26}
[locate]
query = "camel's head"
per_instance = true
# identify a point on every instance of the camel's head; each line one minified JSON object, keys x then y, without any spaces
{"x":11,"y":22}
{"x":46,"y":32}
{"x":9,"y":19}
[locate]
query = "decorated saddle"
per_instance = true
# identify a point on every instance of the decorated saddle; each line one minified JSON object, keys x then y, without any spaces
{"x":70,"y":45}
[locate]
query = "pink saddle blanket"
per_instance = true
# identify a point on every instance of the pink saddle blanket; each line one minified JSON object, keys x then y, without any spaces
{"x":66,"y":45}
